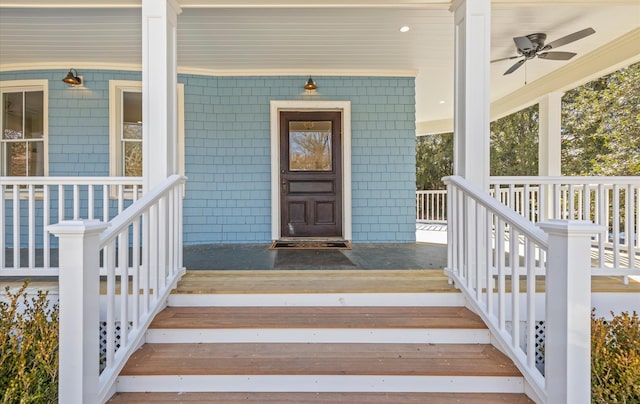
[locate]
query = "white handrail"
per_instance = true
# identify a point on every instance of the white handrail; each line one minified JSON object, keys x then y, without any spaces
{"x":42,"y":201}
{"x":142,"y":258}
{"x":498,"y":279}
{"x":613,"y":202}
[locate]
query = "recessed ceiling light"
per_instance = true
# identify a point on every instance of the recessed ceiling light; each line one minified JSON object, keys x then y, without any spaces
{"x":404,"y":28}
{"x":441,"y":101}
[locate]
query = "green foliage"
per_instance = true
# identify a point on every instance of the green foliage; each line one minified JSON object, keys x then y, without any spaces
{"x":615,"y":359}
{"x":601,"y":126}
{"x":514,"y":143}
{"x":434,"y":160}
{"x":28,"y":348}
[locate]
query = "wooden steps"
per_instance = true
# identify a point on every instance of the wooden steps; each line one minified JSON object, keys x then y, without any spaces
{"x":319,"y":359}
{"x":315,"y":398}
{"x":345,"y":343}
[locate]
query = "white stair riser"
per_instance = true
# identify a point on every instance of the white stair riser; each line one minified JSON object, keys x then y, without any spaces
{"x":315,"y":383}
{"x":318,"y":299}
{"x":323,"y":335}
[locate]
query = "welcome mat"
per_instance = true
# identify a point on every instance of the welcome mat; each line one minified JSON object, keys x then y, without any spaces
{"x":310,"y":245}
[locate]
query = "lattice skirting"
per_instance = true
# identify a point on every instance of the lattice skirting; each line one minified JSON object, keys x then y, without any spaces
{"x":103,"y":341}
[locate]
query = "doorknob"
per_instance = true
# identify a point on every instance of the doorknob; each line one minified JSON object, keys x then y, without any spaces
{"x":284,"y":185}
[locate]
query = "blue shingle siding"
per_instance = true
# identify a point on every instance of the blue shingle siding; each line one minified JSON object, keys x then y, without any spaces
{"x":227,"y":148}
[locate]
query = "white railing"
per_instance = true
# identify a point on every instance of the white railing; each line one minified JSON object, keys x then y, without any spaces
{"x":141,"y":250}
{"x":431,"y":206}
{"x":613,"y":202}
{"x":28,"y":205}
{"x":501,"y":286}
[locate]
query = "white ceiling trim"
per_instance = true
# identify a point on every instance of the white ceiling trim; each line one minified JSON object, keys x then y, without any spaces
{"x":300,"y":3}
{"x":79,"y":65}
{"x":299,"y":72}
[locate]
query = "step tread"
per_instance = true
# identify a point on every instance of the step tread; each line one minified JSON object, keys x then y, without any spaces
{"x":319,"y":359}
{"x":314,"y":281}
{"x":302,"y":398}
{"x":316,"y":317}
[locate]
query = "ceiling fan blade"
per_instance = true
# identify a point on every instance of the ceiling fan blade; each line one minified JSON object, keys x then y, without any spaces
{"x":508,"y":58}
{"x":515,"y":67}
{"x":523,"y":43}
{"x":556,"y":55}
{"x":569,"y":38}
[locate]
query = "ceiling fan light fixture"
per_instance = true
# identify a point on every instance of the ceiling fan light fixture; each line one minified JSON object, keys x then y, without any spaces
{"x":310,"y":85}
{"x":72,"y":78}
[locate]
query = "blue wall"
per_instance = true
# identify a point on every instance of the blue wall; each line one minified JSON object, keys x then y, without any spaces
{"x":227,"y":148}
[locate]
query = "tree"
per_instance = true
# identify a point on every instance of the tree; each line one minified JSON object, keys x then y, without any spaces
{"x":601,"y":126}
{"x":514,"y":143}
{"x":434,"y":160}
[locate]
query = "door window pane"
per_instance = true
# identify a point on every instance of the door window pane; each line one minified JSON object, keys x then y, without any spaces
{"x":310,"y":146}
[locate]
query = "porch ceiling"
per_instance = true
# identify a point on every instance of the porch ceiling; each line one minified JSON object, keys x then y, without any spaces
{"x":317,"y":38}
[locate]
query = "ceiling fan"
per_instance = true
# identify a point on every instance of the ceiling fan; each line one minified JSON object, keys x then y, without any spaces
{"x":532,"y":46}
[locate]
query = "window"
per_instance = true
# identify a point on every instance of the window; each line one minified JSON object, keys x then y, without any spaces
{"x":23,"y":121}
{"x":125,"y":112}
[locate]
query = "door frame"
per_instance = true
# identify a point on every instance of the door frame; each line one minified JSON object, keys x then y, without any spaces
{"x":310,"y":106}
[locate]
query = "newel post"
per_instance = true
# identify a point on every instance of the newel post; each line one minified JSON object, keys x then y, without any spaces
{"x":568,"y":310}
{"x":79,"y":285}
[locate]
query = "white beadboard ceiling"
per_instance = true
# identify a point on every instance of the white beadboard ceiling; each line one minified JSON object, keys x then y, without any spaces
{"x":307,"y":38}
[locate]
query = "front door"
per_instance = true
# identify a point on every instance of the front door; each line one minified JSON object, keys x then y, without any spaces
{"x":310,"y":174}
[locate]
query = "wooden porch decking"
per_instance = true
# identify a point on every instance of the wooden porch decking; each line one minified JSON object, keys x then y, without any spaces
{"x":348,"y":281}
{"x":324,"y":281}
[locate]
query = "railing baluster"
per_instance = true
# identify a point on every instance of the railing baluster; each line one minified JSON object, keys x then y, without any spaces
{"x":46,"y":221}
{"x":616,"y":225}
{"x":76,"y":202}
{"x":146,"y":261}
{"x":571,"y":203}
{"x":120,"y":198}
{"x":3,"y":245}
{"x":500,"y":241}
{"x":105,"y":203}
{"x":91,"y":203}
{"x":32,"y":226}
{"x":514,"y":258}
{"x":123,"y":264}
{"x":135,"y":273}
{"x":109,"y":264}
{"x":16,"y":227}
{"x":61,"y":213}
{"x":491,"y":258}
{"x":531,"y":304}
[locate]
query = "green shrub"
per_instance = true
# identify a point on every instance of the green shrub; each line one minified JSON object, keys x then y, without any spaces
{"x":615,"y":359}
{"x":28,"y":348}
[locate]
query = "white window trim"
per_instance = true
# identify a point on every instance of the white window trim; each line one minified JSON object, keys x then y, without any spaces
{"x":115,"y":88}
{"x":34,"y":85}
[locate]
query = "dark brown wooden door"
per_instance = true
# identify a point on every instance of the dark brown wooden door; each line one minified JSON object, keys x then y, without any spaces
{"x":310,"y":174}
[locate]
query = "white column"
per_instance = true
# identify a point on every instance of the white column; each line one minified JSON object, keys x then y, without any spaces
{"x":568,"y":310}
{"x":79,"y":285}
{"x":159,"y":94}
{"x":472,"y":80}
{"x":549,"y":140}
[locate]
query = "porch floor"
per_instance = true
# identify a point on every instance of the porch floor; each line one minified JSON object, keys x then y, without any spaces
{"x":362,"y":256}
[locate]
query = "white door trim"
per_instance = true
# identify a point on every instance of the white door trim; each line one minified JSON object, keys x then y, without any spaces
{"x":298,"y":105}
